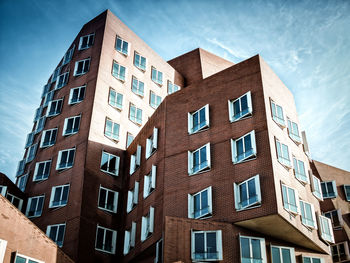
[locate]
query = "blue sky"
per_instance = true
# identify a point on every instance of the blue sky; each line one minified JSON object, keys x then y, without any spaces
{"x":306,"y":43}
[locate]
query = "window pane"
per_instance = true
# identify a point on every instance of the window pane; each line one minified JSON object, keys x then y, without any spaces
{"x":276,"y":255}
{"x":211,"y":245}
{"x":286,"y":256}
{"x":245,"y":249}
{"x":104,"y":162}
{"x":256,"y":249}
{"x":252,"y":191}
{"x":199,"y":245}
{"x":53,"y":233}
{"x":20,"y":260}
{"x":102,"y":200}
{"x":99,"y":238}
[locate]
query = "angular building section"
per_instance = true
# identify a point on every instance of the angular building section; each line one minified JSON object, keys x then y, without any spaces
{"x":115,"y":170}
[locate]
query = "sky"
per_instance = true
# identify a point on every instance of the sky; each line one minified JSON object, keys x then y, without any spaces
{"x":307,"y":44}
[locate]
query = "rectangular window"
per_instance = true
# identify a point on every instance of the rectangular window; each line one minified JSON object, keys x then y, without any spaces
{"x":48,"y":138}
{"x":48,"y":97}
{"x":108,"y":200}
{"x":68,"y":56}
{"x":206,"y":245}
{"x":293,"y":131}
{"x":62,"y":80}
{"x":19,"y":258}
{"x":86,"y":41}
{"x":40,"y":124}
{"x":129,"y":238}
{"x":198,"y":120}
{"x":133,"y":197}
{"x":3,"y":190}
{"x":115,"y":99}
{"x":199,"y":160}
{"x":135,"y":160}
{"x":82,"y":67}
{"x":129,"y":139}
{"x":244,"y":148}
{"x":38,"y":113}
{"x":172,"y":87}
{"x":312,"y":260}
{"x":55,"y":74}
{"x":247,"y":193}
{"x":340,"y":252}
{"x":17,"y":202}
{"x":42,"y":170}
{"x":152,"y":143}
{"x":22,"y":182}
{"x":252,"y":249}
{"x":35,"y":206}
{"x":157,"y":76}
{"x":325,"y":229}
{"x":46,"y":89}
{"x":118,"y":71}
{"x":282,"y":254}
{"x":30,"y":139}
{"x":277,"y":114}
{"x":347,"y":192}
{"x":76,"y":95}
{"x":59,"y":196}
{"x":54,"y":108}
{"x":147,"y":224}
{"x":71,"y":125}
{"x":137,"y":86}
{"x":240,"y":108}
{"x":110,"y":163}
{"x":159,"y":252}
{"x":65,"y":159}
{"x":31,"y":152}
{"x":299,"y":171}
{"x":316,"y":186}
{"x":112,"y":130}
{"x":329,"y":189}
{"x":122,"y":46}
{"x":21,"y":166}
{"x":154,"y":100}
{"x":336,"y":217}
{"x":282,"y":153}
{"x":308,"y":217}
{"x":106,"y":240}
{"x":140,"y":61}
{"x":135,"y":114}
{"x":200,"y":204}
{"x":149,"y":183}
{"x":56,"y":233}
{"x":290,"y":199}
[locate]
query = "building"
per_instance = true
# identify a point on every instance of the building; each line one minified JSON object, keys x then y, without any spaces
{"x":116,"y":170}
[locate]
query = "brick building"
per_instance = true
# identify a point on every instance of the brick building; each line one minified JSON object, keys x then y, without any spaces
{"x":116,"y":170}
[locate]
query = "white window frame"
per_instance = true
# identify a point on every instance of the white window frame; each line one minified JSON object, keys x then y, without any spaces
{"x":218,"y":245}
{"x":48,"y":230}
{"x":65,"y":77}
{"x":158,"y":77}
{"x":45,"y":164}
{"x":30,"y":200}
{"x":206,"y":125}
{"x":133,"y":198}
{"x":85,"y":68}
{"x":12,"y":198}
{"x":286,"y":162}
{"x":89,"y":41}
{"x":191,"y":197}
{"x":58,"y":107}
{"x":115,"y":200}
{"x":322,"y":223}
{"x":138,"y":88}
{"x":129,"y":238}
{"x":190,"y":155}
{"x":292,"y":253}
{"x":296,"y":197}
{"x":274,"y":113}
{"x":68,"y":56}
{"x":234,"y":148}
{"x":31,"y":153}
{"x":231,"y":109}
{"x":3,"y":190}
{"x":117,"y":163}
{"x":154,"y":99}
{"x":236,"y":187}
{"x":22,"y":181}
{"x":3,"y":245}
{"x":262,"y":248}
{"x":61,"y":201}
{"x":122,"y":49}
{"x":134,"y":119}
{"x":305,"y":220}
{"x":347,"y":192}
{"x":149,"y":182}
{"x":67,"y":166}
{"x":40,"y":124}
{"x":312,"y":259}
{"x":117,"y":74}
{"x":152,"y":143}
{"x":25,"y":257}
{"x":139,"y":65}
{"x":172,"y":87}
{"x":115,"y":103}
{"x":338,"y":214}
{"x":147,"y":226}
{"x":297,"y":170}
{"x":52,"y":139}
{"x":76,"y":119}
{"x":81,"y":89}
{"x":334,"y":186}
{"x":294,"y":135}
{"x":114,"y":136}
{"x":135,"y":160}
{"x":316,"y":186}
{"x":30,"y":139}
{"x":114,"y":239}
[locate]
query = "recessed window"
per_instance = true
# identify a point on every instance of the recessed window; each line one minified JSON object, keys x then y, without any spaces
{"x":35,"y":206}
{"x":140,"y":61}
{"x":157,"y":76}
{"x":206,"y":245}
{"x":71,"y":125}
{"x":17,"y":202}
{"x":244,"y":148}
{"x":347,"y":192}
{"x":42,"y":170}
{"x":240,"y":108}
{"x":108,"y":200}
{"x":112,"y":130}
{"x":312,"y":260}
{"x":122,"y":46}
{"x":199,"y":160}
{"x":19,"y":258}
{"x":325,"y":229}
{"x":65,"y":159}
{"x":340,"y":252}
{"x":55,"y":74}
{"x":133,"y":197}
{"x":198,"y":120}
{"x":172,"y":87}
{"x":56,"y":233}
{"x":290,"y":199}
{"x":200,"y":204}
{"x":62,"y":80}
{"x":38,"y":113}
{"x":129,"y":238}
{"x":135,"y":114}
{"x":115,"y":99}
{"x":48,"y":138}
{"x":110,"y":163}
{"x":59,"y":196}
{"x":77,"y":95}
{"x":282,"y":154}
{"x":308,"y":217}
{"x":21,"y":166}
{"x":54,"y":108}
{"x":329,"y":189}
{"x":106,"y":240}
{"x":282,"y":254}
{"x":48,"y":97}
{"x":149,"y":182}
{"x":135,"y":160}
{"x":40,"y":124}
{"x":30,"y":139}
{"x":299,"y":170}
{"x":154,"y":100}
{"x":247,"y":193}
{"x":316,"y":187}
{"x":81,"y":67}
{"x":336,"y":217}
{"x":252,"y":249}
{"x":31,"y":152}
{"x":152,"y":143}
{"x":137,"y":86}
{"x":293,"y":131}
{"x":22,"y":182}
{"x":3,"y":190}
{"x":86,"y":41}
{"x":277,"y":114}
{"x":147,"y":224}
{"x":68,"y":56}
{"x":118,"y":71}
{"x":129,"y":139}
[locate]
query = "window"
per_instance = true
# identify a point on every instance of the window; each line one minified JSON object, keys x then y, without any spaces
{"x":290,"y":199}
{"x":129,"y":139}
{"x":62,"y":80}
{"x":35,"y":206}
{"x":277,"y":114}
{"x":48,"y":138}
{"x":172,"y":87}
{"x":308,"y":217}
{"x":252,"y":249}
{"x":312,"y":260}
{"x":200,"y":204}
{"x":198,"y":120}
{"x":137,"y":86}
{"x":282,"y":153}
{"x":21,"y":166}
{"x":56,"y":233}
{"x":206,"y":245}
{"x":108,"y":200}
{"x":46,"y":89}
{"x":39,"y":126}
{"x":154,"y":100}
{"x":112,"y":130}
{"x":77,"y":95}
{"x":329,"y":189}
{"x":38,"y":113}
{"x":135,"y":160}
{"x":110,"y":163}
{"x":59,"y":196}
{"x":282,"y":254}
{"x":55,"y":74}
{"x":118,"y":71}
{"x":159,"y":251}
{"x":299,"y":170}
{"x":293,"y":131}
{"x":115,"y":99}
{"x":54,"y":107}
{"x":347,"y":192}
{"x":48,"y":98}
{"x":31,"y":152}
{"x":22,"y":182}
{"x":71,"y":125}
{"x":106,"y":240}
{"x":316,"y":186}
{"x":86,"y":41}
{"x":340,"y":252}
{"x":135,"y":114}
{"x":243,"y":148}
{"x":65,"y":159}
{"x":240,"y":108}
{"x":68,"y":56}
{"x":17,"y":202}
{"x":157,"y":76}
{"x":122,"y":46}
{"x":129,"y":238}
{"x":152,"y":143}
{"x":147,"y":224}
{"x":325,"y":229}
{"x":199,"y":160}
{"x":149,"y":183}
{"x":81,"y":67}
{"x":19,"y":258}
{"x":3,"y":189}
{"x":247,"y":193}
{"x":30,"y":139}
{"x":133,"y":197}
{"x":336,"y":217}
{"x":42,"y":170}
{"x":139,"y":61}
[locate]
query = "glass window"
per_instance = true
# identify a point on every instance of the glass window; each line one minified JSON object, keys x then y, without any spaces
{"x":55,"y":74}
{"x":56,"y":233}
{"x":316,"y":187}
{"x":147,"y":224}
{"x":340,"y":252}
{"x":54,"y":108}
{"x":252,"y":249}
{"x":347,"y":192}
{"x":135,"y":160}
{"x":31,"y":152}
{"x":108,"y":200}
{"x":277,"y":114}
{"x":30,"y":139}
{"x":336,"y":217}
{"x":137,"y":86}
{"x":118,"y":71}
{"x":293,"y":131}
{"x":244,"y":148}
{"x":308,"y":217}
{"x":129,"y":139}
{"x":25,"y":259}
{"x":40,"y":124}
{"x":200,"y":204}
{"x":325,"y":229}
{"x":149,"y":182}
{"x":282,"y":254}
{"x":299,"y":170}
{"x":62,"y":80}
{"x":135,"y":114}
{"x":38,"y":113}
{"x":206,"y":245}
{"x":48,"y":97}
{"x":240,"y":108}
{"x":76,"y":95}
{"x":329,"y":189}
{"x":105,"y":240}
{"x":68,"y":56}
{"x":3,"y":190}
{"x":110,"y":163}
{"x":154,"y":100}
{"x":139,"y":61}
{"x":172,"y":87}
{"x":21,"y":166}
{"x":86,"y":41}
{"x":112,"y":130}
{"x":115,"y":99}
{"x":71,"y":125}
{"x":133,"y":197}
{"x":59,"y":196}
{"x":17,"y":202}
{"x":157,"y":76}
{"x":247,"y":193}
{"x":46,"y":89}
{"x":282,"y":153}
{"x":122,"y":46}
{"x":198,"y":120}
{"x":22,"y":182}
{"x":81,"y":67}
{"x":152,"y":143}
{"x":129,"y":238}
{"x":42,"y":170}
{"x":48,"y":138}
{"x":65,"y":159}
{"x":35,"y":206}
{"x":312,"y":260}
{"x":199,"y":160}
{"x":290,"y":199}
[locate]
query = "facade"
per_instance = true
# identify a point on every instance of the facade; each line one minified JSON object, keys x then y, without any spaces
{"x":116,"y":170}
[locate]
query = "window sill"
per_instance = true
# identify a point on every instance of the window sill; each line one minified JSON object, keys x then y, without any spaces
{"x":116,"y":108}
{"x":136,"y":123}
{"x":151,"y":154}
{"x":104,"y":251}
{"x":109,"y":173}
{"x":120,"y":52}
{"x":205,"y":128}
{"x":247,"y":116}
{"x":40,"y":180}
{"x":60,"y":170}
{"x":108,"y":212}
{"x":248,"y":208}
{"x":201,"y":171}
{"x":112,"y":139}
{"x":75,"y":103}
{"x":246,"y":160}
